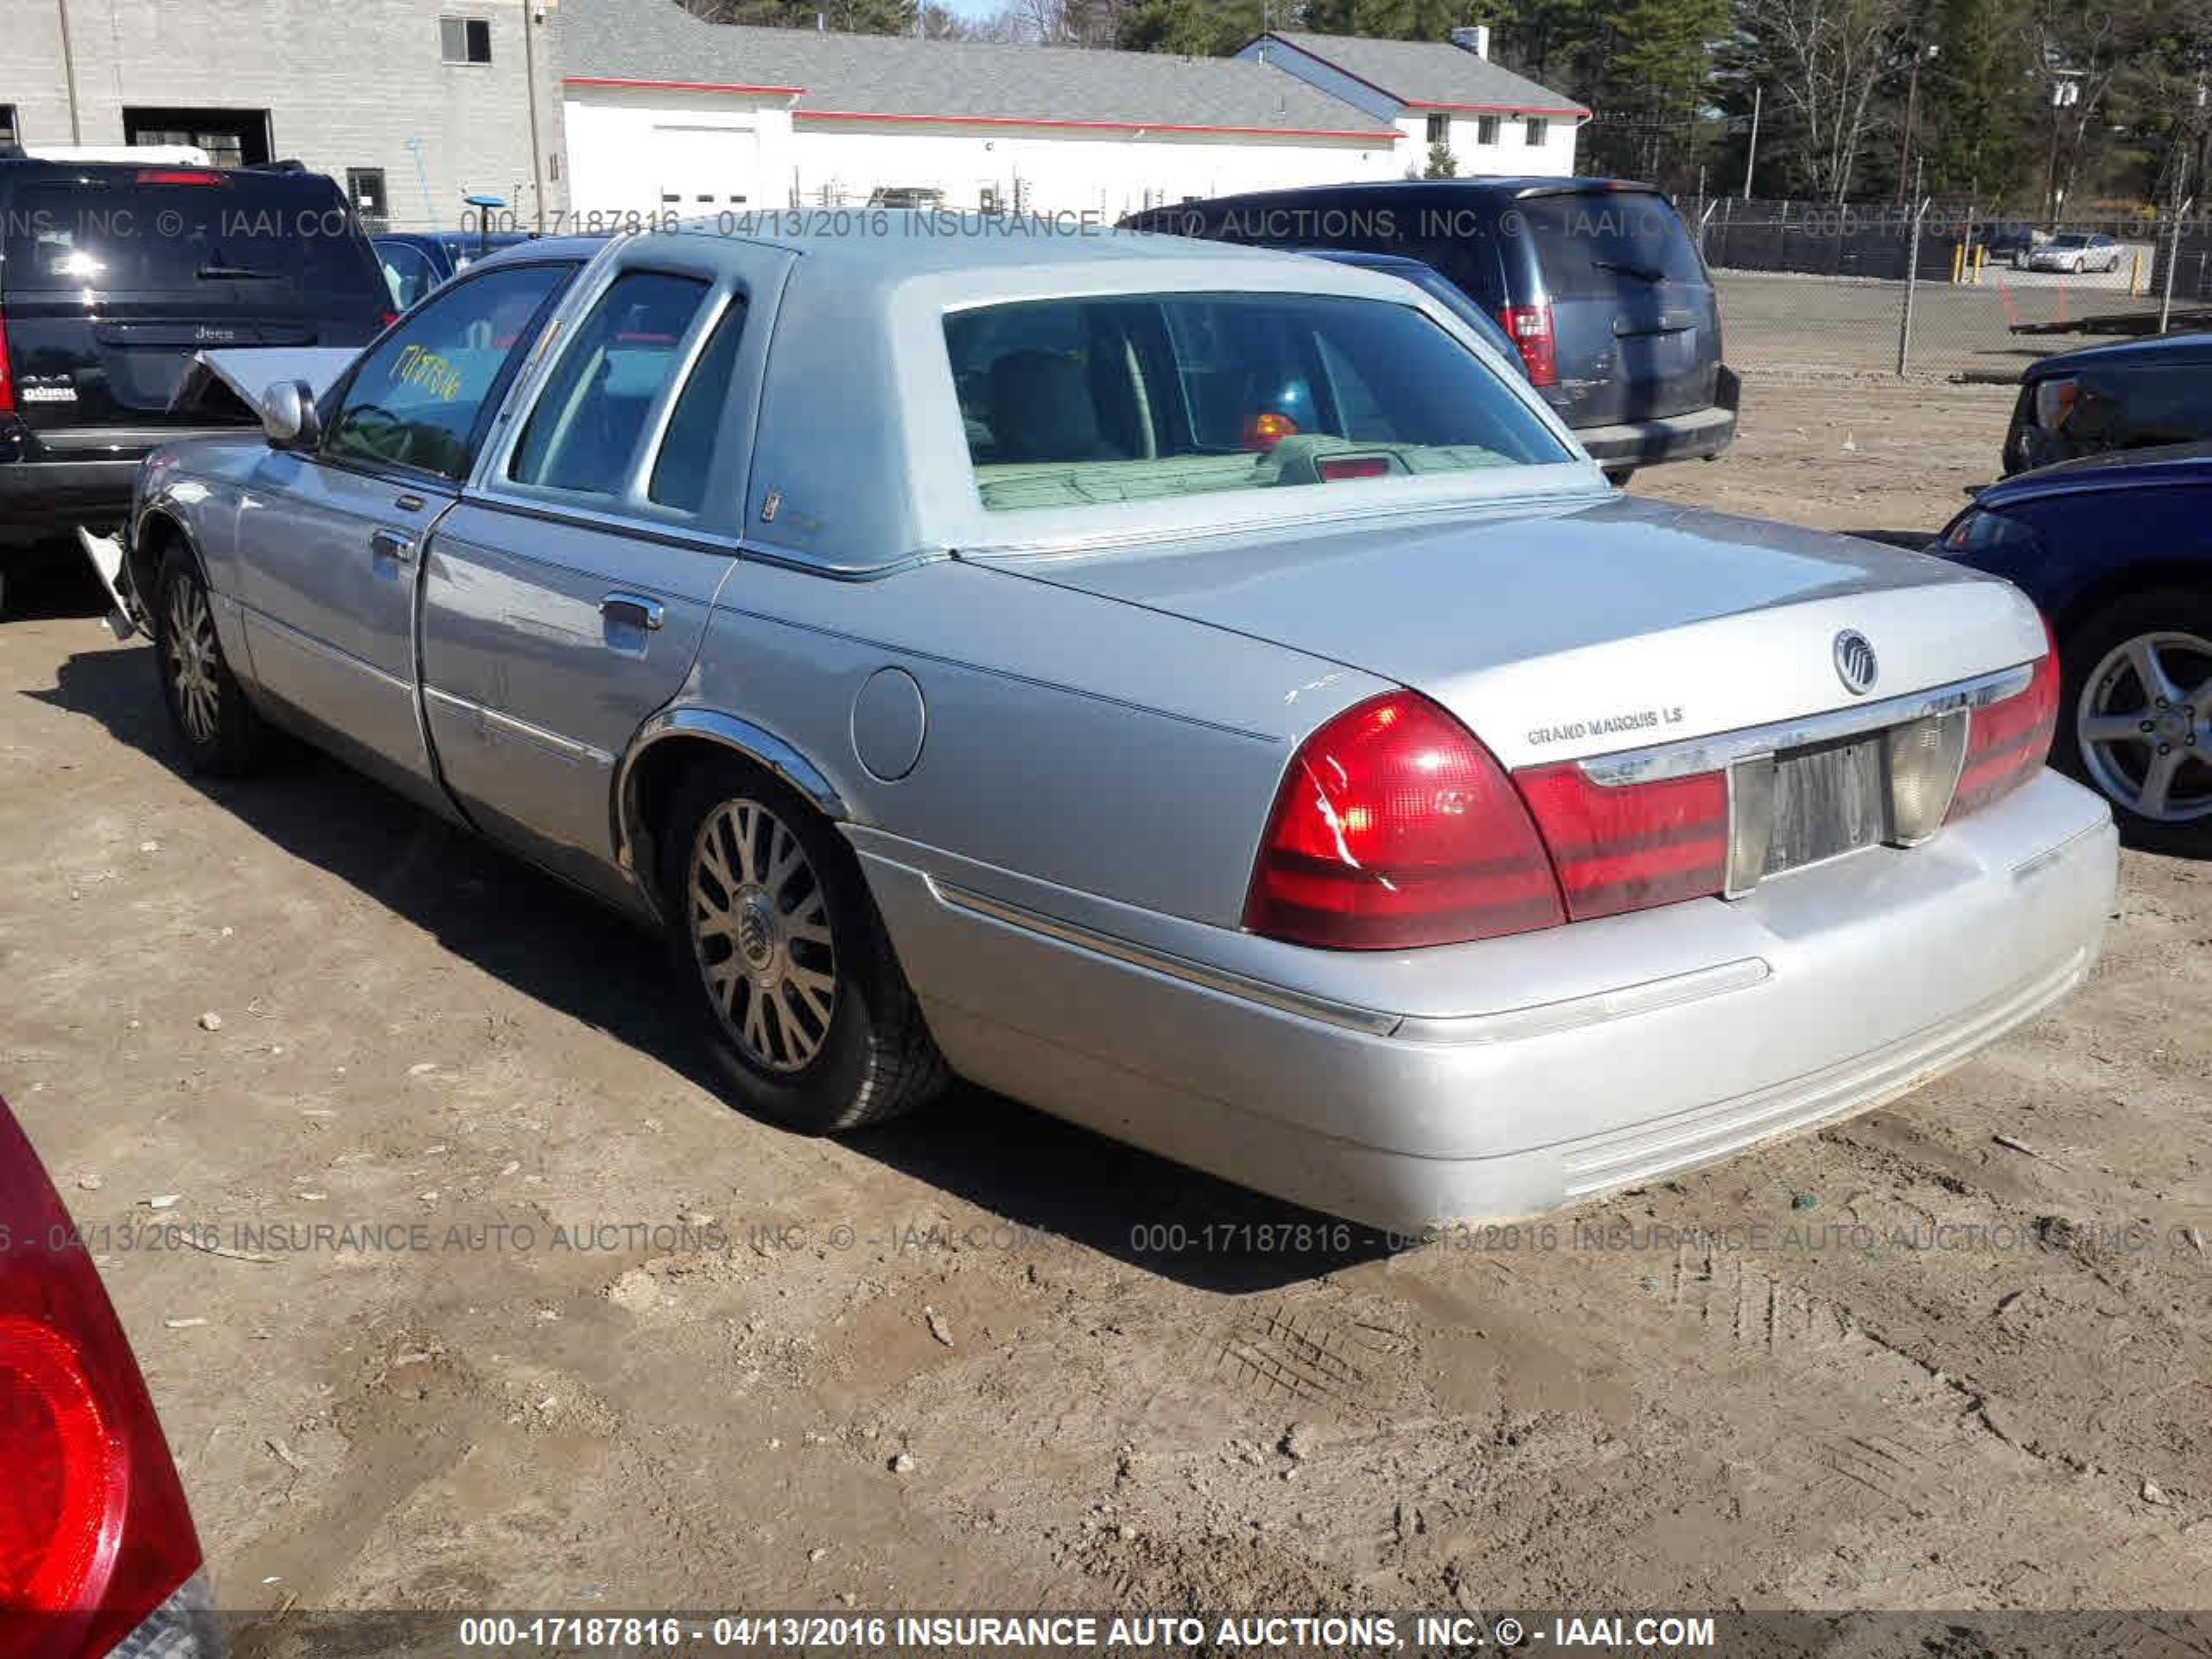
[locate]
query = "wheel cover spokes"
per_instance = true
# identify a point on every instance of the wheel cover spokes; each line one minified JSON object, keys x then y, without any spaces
{"x":760,"y":933}
{"x":194,"y":659}
{"x":2144,"y":726}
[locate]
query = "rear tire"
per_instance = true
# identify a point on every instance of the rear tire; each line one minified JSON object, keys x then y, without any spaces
{"x":2163,"y":637}
{"x":771,"y":926}
{"x":218,"y":728}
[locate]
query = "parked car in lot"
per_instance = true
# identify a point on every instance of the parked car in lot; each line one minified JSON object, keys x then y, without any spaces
{"x":2132,"y":612}
{"x":2076,"y":252}
{"x":2139,"y":394}
{"x":2010,"y":242}
{"x":113,"y":276}
{"x":1439,"y":288}
{"x":415,"y":262}
{"x":97,"y":1553}
{"x":1596,"y":280}
{"x":1190,"y":687}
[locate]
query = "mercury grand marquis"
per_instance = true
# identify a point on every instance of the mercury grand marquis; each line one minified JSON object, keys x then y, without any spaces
{"x":1201,"y":691}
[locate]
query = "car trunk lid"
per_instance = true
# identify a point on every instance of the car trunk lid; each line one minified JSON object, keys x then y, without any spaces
{"x":1562,"y":632}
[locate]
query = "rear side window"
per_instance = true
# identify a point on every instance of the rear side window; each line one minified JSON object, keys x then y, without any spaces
{"x":687,"y":450}
{"x":584,"y":432}
{"x":231,"y":238}
{"x":1070,"y":402}
{"x":1590,"y":246}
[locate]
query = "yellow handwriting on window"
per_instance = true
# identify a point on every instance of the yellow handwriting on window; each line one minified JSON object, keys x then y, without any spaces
{"x":433,"y":374}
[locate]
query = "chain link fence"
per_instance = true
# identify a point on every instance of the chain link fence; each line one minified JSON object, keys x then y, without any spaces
{"x":1942,"y":290}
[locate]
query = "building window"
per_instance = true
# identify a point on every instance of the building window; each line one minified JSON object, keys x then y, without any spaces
{"x":7,"y":124}
{"x":1440,"y":129}
{"x":365,"y":188}
{"x":1539,"y":128}
{"x":465,"y":40}
{"x":230,"y":138}
{"x":1486,"y":130}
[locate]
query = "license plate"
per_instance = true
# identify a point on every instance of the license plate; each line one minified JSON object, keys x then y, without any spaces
{"x":1828,"y":800}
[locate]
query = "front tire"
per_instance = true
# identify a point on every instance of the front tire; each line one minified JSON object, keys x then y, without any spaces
{"x":220,"y":734}
{"x":808,"y":1015}
{"x":2135,"y":716}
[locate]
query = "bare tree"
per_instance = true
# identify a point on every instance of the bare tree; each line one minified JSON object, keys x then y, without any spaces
{"x":1822,"y":62}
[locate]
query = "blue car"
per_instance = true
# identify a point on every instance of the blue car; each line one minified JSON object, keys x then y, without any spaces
{"x":415,"y":262}
{"x":2116,"y":549}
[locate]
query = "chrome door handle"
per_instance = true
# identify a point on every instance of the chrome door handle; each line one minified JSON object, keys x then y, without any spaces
{"x":638,"y":611}
{"x":394,"y":544}
{"x":409,"y":504}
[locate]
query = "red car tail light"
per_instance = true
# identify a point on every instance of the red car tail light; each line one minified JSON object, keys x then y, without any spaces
{"x":94,"y":1522}
{"x":180,"y":175}
{"x":1395,"y":828}
{"x":1631,"y":846}
{"x":1353,"y":466}
{"x":1529,"y":327}
{"x":2008,"y":742}
{"x":7,"y":379}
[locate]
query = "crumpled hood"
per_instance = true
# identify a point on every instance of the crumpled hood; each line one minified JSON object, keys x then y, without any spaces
{"x":1588,"y":627}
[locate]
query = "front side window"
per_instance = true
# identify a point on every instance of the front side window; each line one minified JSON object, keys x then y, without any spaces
{"x":417,"y":399}
{"x":584,"y":432}
{"x":1072,"y":403}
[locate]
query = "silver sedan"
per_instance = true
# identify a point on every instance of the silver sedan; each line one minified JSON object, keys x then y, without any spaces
{"x":1201,"y":691}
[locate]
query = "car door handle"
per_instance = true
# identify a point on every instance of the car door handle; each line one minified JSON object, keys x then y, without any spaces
{"x":638,"y":611}
{"x":394,"y":544}
{"x":409,"y":504}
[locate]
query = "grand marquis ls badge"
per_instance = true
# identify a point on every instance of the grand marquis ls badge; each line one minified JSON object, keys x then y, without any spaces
{"x":1856,"y":664}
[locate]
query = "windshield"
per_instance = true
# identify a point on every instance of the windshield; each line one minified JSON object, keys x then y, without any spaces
{"x":1069,"y":403}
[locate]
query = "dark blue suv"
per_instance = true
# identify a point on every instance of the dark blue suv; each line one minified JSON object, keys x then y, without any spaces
{"x":1596,"y":280}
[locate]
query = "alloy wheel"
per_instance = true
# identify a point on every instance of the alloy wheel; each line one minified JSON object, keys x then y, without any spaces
{"x":760,"y":926}
{"x":2145,"y":722}
{"x":195,"y":660}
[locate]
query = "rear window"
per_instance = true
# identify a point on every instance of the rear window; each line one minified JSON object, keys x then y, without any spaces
{"x":1070,"y":402}
{"x":1590,"y":245}
{"x":172,"y":231}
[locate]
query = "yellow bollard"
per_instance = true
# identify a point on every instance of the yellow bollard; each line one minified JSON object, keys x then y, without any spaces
{"x":1958,"y":263}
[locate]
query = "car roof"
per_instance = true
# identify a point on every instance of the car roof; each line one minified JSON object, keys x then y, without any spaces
{"x":1393,"y":262}
{"x":2181,"y":348}
{"x":2113,"y":469}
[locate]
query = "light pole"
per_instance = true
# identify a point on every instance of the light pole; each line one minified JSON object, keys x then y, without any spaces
{"x":1751,"y":151}
{"x":69,"y":72}
{"x":1920,"y":56}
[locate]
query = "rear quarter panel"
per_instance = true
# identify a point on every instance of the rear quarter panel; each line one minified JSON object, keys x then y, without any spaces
{"x":1071,"y":741}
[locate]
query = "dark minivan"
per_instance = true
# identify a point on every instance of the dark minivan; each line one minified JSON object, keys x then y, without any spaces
{"x":113,"y":275}
{"x":1596,"y":280}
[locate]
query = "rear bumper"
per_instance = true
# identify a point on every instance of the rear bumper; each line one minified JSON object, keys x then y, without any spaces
{"x":1511,"y":1076}
{"x":47,"y":496}
{"x":1698,"y":435}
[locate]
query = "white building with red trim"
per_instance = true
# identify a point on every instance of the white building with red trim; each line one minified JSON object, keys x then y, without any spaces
{"x":1493,"y":121}
{"x":664,"y":113}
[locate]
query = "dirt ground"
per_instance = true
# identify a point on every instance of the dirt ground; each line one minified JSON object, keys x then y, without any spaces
{"x":593,"y":1339}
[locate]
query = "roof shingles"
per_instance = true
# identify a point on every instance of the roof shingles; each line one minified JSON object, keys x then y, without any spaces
{"x":1430,"y":74}
{"x":655,"y":42}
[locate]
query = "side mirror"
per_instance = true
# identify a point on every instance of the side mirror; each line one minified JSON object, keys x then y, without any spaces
{"x":289,"y":417}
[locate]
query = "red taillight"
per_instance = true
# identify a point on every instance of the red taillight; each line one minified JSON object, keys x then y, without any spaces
{"x":61,"y":1511}
{"x":180,"y":176}
{"x":1631,"y":846}
{"x":7,"y":380}
{"x":92,"y":1521}
{"x":1395,"y":828}
{"x":1354,"y":467}
{"x":1529,"y":327}
{"x":2007,"y":742}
